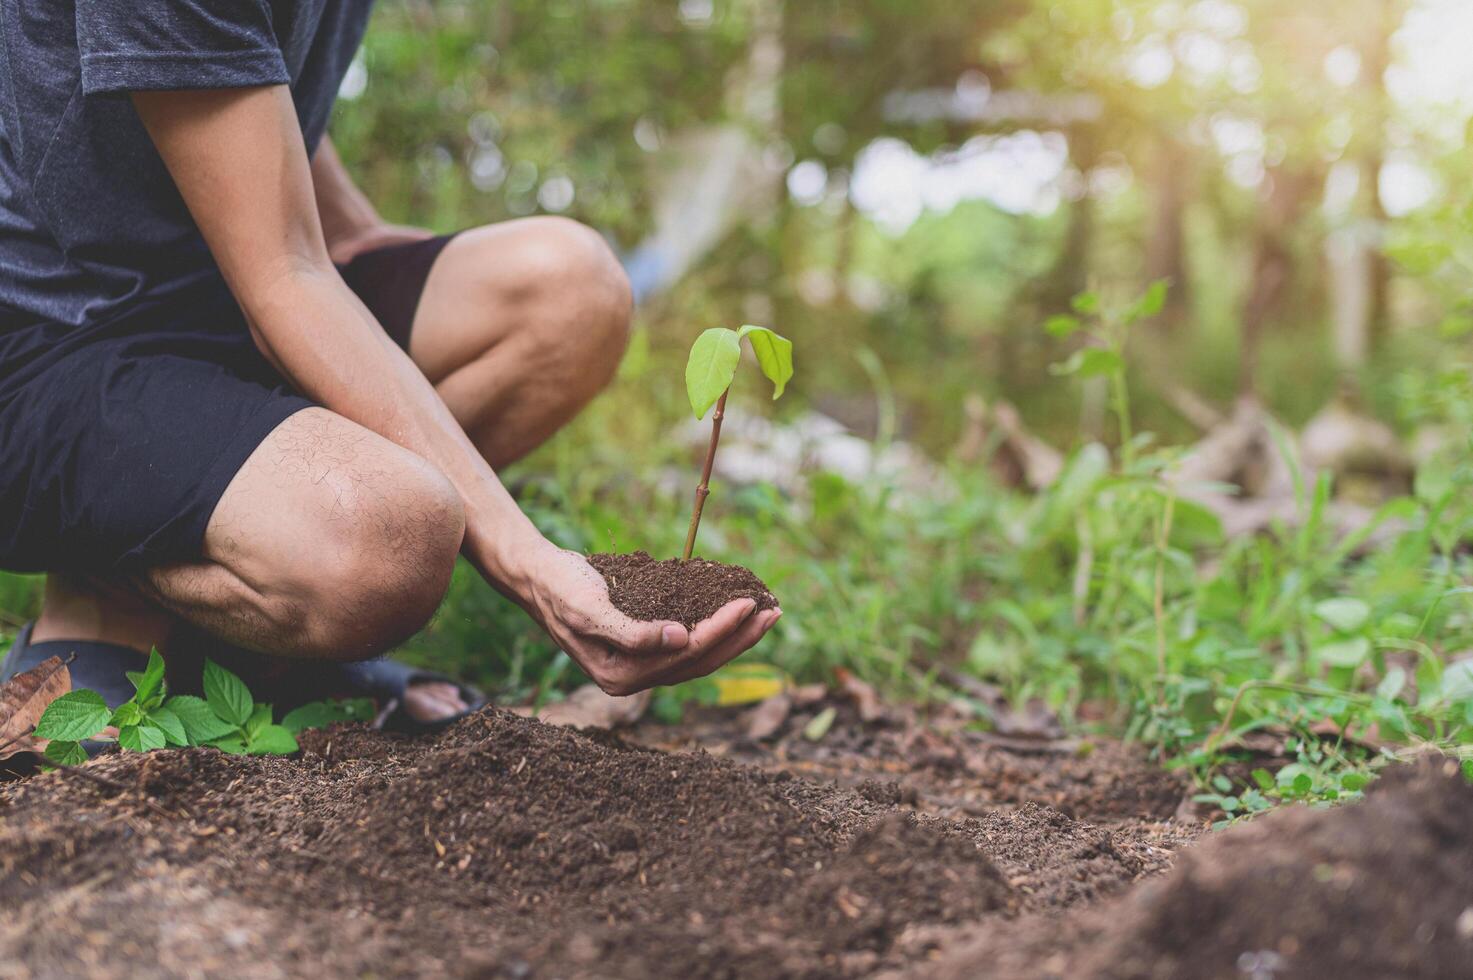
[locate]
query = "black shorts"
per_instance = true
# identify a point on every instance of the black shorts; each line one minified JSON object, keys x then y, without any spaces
{"x":117,"y":442}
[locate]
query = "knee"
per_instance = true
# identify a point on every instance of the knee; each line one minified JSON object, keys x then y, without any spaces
{"x":583,"y":306}
{"x":386,"y":566}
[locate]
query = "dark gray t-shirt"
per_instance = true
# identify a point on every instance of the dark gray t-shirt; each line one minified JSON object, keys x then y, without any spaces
{"x":90,"y":220}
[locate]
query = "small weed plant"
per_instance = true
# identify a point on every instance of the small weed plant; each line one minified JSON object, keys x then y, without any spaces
{"x":227,"y":717}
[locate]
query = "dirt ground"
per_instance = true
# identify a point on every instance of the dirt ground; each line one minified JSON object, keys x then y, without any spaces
{"x":506,"y":847}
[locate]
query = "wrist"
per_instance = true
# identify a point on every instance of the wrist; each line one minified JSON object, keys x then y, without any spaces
{"x":509,"y":551}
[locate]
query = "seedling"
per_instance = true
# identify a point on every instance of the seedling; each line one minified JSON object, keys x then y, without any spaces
{"x":708,"y":377}
{"x":227,"y":717}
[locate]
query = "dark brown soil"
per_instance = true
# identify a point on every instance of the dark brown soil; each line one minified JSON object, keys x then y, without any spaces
{"x":947,"y":770}
{"x":509,"y":848}
{"x":1379,"y":889}
{"x":684,"y":591}
{"x":504,"y":847}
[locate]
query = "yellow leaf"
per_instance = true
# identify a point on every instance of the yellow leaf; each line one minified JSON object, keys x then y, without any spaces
{"x":748,"y":683}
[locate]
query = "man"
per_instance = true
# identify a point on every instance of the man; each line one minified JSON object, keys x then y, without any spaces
{"x":232,"y":397}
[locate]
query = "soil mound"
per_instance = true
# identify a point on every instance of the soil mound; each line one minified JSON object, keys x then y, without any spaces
{"x":502,"y":847}
{"x":684,"y":591}
{"x":1379,"y":889}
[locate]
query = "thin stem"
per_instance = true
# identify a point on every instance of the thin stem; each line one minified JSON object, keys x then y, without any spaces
{"x":703,"y":490}
{"x":1221,"y":731}
{"x":1158,"y":604}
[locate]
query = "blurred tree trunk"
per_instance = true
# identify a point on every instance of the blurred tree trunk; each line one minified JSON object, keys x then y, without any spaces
{"x":1070,"y":274}
{"x":1359,"y":273}
{"x":1166,"y":247}
{"x":1289,"y":190}
{"x":1375,"y":59}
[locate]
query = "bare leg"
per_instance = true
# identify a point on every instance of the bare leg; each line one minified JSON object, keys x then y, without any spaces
{"x":520,"y":325}
{"x":331,"y":542}
{"x":87,"y":608}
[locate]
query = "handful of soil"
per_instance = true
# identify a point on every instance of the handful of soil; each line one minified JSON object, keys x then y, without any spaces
{"x":687,"y":592}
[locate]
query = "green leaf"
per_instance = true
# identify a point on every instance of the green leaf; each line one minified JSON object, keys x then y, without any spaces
{"x":1345,"y":653}
{"x":1303,"y":783}
{"x":1392,"y":684}
{"x":1062,"y":325}
{"x":1354,"y":781}
{"x":1434,"y":481}
{"x":74,"y":716}
{"x":259,"y":719}
{"x":711,"y":367}
{"x":1086,"y":303}
{"x":65,"y":753}
{"x":272,"y":740}
{"x":127,"y":713}
{"x":1264,"y":779}
{"x":820,"y":725}
{"x":200,"y":722}
{"x":1089,"y":362}
{"x":151,"y":681}
{"x":230,"y":744}
{"x":141,"y":738}
{"x":1457,"y":681}
{"x":167,"y":722}
{"x":1345,"y":615}
{"x":320,"y":714}
{"x":1149,"y":304}
{"x":774,"y":355}
{"x":227,"y":694}
{"x":1468,"y":770}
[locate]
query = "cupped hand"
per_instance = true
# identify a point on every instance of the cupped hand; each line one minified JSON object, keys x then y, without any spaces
{"x":623,"y":655}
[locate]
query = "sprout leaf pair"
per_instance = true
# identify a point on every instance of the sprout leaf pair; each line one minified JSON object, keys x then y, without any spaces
{"x":708,"y":376}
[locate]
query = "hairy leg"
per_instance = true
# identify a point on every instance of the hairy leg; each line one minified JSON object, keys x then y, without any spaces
{"x":331,"y":542}
{"x":93,"y":609}
{"x":519,"y":326}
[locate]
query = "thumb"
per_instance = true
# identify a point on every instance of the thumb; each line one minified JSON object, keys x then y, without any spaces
{"x":635,"y":636}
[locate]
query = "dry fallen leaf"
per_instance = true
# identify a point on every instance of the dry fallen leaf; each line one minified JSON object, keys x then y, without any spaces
{"x":24,"y":698}
{"x":765,"y":719}
{"x":864,"y":697}
{"x":806,"y":694}
{"x":588,"y":707}
{"x":1035,"y":720}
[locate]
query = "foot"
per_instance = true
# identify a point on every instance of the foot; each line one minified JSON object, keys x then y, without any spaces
{"x":433,"y":701}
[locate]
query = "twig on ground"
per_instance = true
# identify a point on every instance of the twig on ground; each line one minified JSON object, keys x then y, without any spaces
{"x":380,"y":719}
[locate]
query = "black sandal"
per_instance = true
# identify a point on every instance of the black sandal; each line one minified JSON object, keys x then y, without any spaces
{"x":100,"y":667}
{"x":287,"y":683}
{"x":279,"y":681}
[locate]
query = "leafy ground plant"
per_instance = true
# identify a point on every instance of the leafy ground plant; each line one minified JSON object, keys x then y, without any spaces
{"x":709,"y":373}
{"x":227,"y":717}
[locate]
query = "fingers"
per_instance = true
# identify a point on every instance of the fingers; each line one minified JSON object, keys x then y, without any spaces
{"x":721,"y":624}
{"x":636,"y":637}
{"x":746,"y":636}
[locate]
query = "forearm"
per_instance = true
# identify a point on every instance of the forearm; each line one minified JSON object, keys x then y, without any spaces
{"x":343,"y":209}
{"x":326,"y":342}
